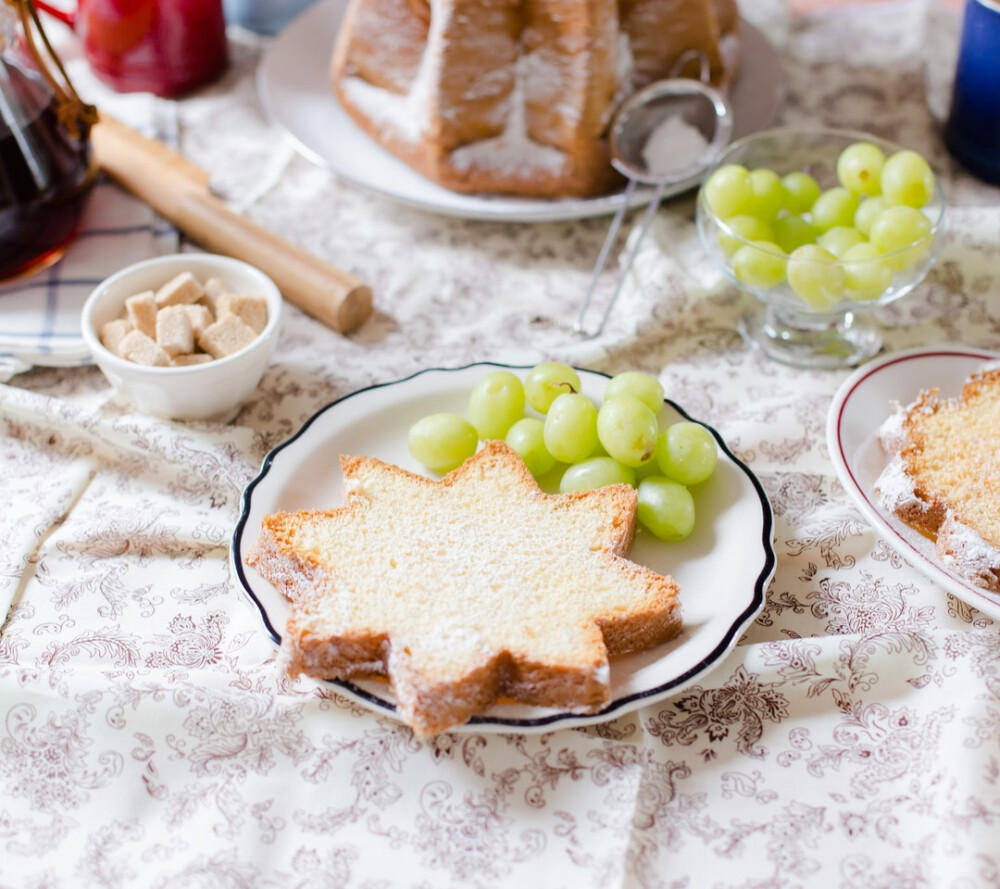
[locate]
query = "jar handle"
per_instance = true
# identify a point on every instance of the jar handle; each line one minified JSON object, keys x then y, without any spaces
{"x":75,"y":115}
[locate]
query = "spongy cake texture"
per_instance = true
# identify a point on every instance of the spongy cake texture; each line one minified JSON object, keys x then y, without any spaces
{"x":944,"y":477}
{"x":465,"y":590}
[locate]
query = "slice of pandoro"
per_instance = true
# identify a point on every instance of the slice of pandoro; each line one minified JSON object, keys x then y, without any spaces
{"x":465,"y":590}
{"x":944,"y":476}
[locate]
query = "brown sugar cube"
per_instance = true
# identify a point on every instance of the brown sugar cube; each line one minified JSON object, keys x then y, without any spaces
{"x":184,"y":288}
{"x":251,"y":309}
{"x":114,"y":332}
{"x":200,"y":317}
{"x":140,"y":310}
{"x":174,"y":332}
{"x":188,"y":360}
{"x":214,"y":288}
{"x":141,"y":349}
{"x":227,"y":335}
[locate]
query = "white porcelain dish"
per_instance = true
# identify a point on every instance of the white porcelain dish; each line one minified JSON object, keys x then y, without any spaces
{"x":294,"y":86}
{"x":723,"y":569}
{"x":860,"y":406}
{"x":210,"y":391}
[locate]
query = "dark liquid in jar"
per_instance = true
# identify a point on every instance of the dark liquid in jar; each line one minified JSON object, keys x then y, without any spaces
{"x":45,"y":175}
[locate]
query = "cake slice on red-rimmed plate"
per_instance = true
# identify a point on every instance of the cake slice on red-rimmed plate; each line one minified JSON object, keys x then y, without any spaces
{"x":944,"y":476}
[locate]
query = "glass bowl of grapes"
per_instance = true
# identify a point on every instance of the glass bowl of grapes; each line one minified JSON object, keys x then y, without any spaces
{"x":821,"y":227}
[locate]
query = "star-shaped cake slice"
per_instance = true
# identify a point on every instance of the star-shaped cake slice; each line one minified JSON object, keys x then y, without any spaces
{"x":466,"y":590}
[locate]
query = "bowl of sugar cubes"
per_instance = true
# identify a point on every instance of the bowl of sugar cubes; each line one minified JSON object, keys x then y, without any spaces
{"x":184,"y":337}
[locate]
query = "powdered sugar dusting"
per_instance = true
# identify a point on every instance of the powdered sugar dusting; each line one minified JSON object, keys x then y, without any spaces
{"x":673,"y":146}
{"x":891,"y":434}
{"x":540,"y":80}
{"x":964,"y":551}
{"x":950,"y":446}
{"x":408,"y":113}
{"x":513,"y":149}
{"x":894,"y":487}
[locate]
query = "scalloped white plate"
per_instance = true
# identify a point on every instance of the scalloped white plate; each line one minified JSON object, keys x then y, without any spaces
{"x":294,"y":87}
{"x":860,"y":406}
{"x":723,"y":569}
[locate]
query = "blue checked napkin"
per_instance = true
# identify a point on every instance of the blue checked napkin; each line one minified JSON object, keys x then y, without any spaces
{"x":40,"y":314}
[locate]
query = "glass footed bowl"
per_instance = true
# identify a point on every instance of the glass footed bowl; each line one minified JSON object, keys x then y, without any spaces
{"x":830,"y":324}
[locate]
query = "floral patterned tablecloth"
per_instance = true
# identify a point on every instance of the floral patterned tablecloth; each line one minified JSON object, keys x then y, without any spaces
{"x":147,"y":737}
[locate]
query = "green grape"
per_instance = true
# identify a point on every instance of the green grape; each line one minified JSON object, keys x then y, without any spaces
{"x":595,"y":473}
{"x":839,"y":239}
{"x":835,"y":206}
{"x":760,"y":264}
{"x":735,"y":232}
{"x":686,"y":452}
{"x":527,"y":437}
{"x":570,"y":430}
{"x":495,"y":404}
{"x":547,"y":380}
{"x":801,"y":192}
{"x":441,"y":442}
{"x":666,"y":508}
{"x":868,"y":275}
{"x":729,"y":192}
{"x":627,"y":429}
{"x":907,"y":179}
{"x":768,"y":194}
{"x":867,"y":211}
{"x":859,"y":168}
{"x":815,"y":276}
{"x":639,"y":385}
{"x":791,"y":232}
{"x":900,"y":234}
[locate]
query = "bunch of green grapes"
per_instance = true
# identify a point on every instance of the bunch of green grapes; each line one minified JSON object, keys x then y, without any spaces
{"x":843,"y":243}
{"x":565,"y":434}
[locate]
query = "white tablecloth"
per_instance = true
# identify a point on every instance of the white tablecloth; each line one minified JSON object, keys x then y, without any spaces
{"x":148,"y":738}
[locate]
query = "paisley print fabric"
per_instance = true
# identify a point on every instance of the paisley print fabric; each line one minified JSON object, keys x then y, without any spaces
{"x":148,"y":737}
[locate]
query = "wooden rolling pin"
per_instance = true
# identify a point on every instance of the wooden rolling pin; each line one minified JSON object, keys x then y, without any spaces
{"x":179,"y":191}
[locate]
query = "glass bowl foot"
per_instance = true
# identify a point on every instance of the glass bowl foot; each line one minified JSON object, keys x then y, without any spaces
{"x":810,"y":341}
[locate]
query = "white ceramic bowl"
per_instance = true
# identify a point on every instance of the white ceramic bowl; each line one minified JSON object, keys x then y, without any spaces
{"x":210,"y":391}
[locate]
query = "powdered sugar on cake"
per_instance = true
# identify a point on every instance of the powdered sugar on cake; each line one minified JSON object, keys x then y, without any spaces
{"x":540,"y":81}
{"x":966,"y":553}
{"x":895,"y":488}
{"x":409,"y":113}
{"x":942,"y":475}
{"x":513,"y":149}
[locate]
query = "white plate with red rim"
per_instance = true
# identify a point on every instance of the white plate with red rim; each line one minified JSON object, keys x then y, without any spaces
{"x":861,"y":405}
{"x":723,"y":568}
{"x":293,"y":82}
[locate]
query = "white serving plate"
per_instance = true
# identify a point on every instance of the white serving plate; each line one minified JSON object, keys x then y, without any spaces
{"x":860,"y":406}
{"x":723,"y":569}
{"x":294,"y":86}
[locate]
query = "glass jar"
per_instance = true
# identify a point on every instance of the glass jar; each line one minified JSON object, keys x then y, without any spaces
{"x":46,"y":167}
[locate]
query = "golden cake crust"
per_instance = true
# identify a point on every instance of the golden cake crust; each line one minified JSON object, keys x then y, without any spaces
{"x":512,"y":96}
{"x":944,"y":475}
{"x":465,"y":590}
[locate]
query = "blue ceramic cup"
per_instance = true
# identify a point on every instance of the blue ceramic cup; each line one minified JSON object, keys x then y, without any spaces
{"x":262,"y":16}
{"x":972,"y":132}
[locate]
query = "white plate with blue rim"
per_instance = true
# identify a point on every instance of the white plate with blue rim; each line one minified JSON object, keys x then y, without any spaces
{"x":723,"y":568}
